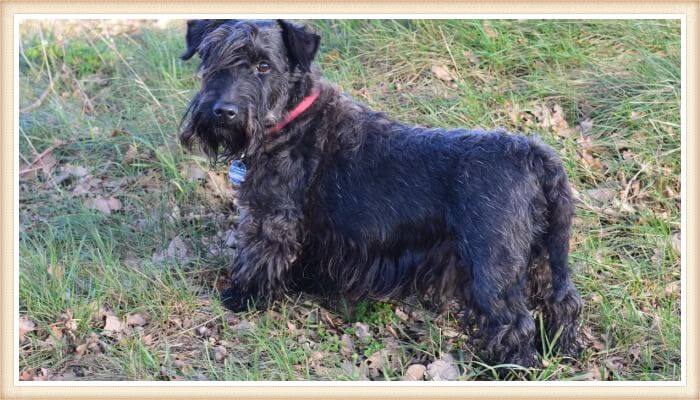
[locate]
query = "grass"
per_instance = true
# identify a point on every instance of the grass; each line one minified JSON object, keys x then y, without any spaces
{"x":108,"y":97}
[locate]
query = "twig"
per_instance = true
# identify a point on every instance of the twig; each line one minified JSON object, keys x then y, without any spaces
{"x":40,"y":156}
{"x":38,"y":101}
{"x":87,"y":103}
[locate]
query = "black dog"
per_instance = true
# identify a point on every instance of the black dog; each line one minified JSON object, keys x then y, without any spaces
{"x":346,"y":199}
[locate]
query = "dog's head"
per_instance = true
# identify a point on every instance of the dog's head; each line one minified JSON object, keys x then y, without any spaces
{"x":251,"y":71}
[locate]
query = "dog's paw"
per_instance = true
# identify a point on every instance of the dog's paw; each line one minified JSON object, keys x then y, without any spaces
{"x":236,"y":300}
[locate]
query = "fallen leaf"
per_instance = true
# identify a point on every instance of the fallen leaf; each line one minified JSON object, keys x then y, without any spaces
{"x":676,"y":243}
{"x":81,"y":349}
{"x":46,"y":164}
{"x":601,"y":196}
{"x":585,"y":125}
{"x":193,"y":172}
{"x":220,"y":353}
{"x":55,"y":271}
{"x":136,"y":320}
{"x":177,"y":250}
{"x":203,"y":331}
{"x":362,"y":331}
{"x":376,"y":360}
{"x":441,"y":72}
{"x":56,"y":332}
{"x":179,"y":363}
{"x":401,"y":314}
{"x":634,"y":351}
{"x":488,"y":29}
{"x":86,"y":185}
{"x":614,"y":363}
{"x":25,"y":325}
{"x":131,"y":154}
{"x":471,"y":57}
{"x":44,"y":375}
{"x":147,"y":340}
{"x":415,"y":372}
{"x":94,"y":344}
{"x":26,"y":375}
{"x":673,"y":289}
{"x":105,"y":205}
{"x":112,"y":324}
{"x":443,"y":369}
{"x":219,"y":185}
{"x":347,"y":346}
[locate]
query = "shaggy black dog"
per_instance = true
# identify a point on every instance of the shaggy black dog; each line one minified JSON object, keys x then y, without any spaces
{"x":344,"y":199}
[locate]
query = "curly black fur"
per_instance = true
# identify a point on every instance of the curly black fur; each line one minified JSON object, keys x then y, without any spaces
{"x":347,"y":200}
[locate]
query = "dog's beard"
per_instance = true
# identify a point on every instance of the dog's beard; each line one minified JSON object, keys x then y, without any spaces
{"x":220,"y":143}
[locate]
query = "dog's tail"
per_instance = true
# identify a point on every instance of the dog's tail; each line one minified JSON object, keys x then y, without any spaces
{"x":560,"y":207}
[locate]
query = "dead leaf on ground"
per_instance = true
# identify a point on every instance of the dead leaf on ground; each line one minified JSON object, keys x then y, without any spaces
{"x":672,"y":289}
{"x":177,"y":250}
{"x":585,"y":125}
{"x":415,"y":372}
{"x":25,"y":326}
{"x":87,"y":184}
{"x":362,"y":331}
{"x":443,"y":369}
{"x":220,"y":353}
{"x":105,"y":205}
{"x":26,"y":375}
{"x":44,"y":162}
{"x":543,"y":116}
{"x":601,"y":196}
{"x":112,"y":324}
{"x":634,"y":351}
{"x":94,"y":344}
{"x":488,"y":29}
{"x":442,"y":73}
{"x":136,"y":319}
{"x":243,"y":326}
{"x":219,"y":184}
{"x":615,"y":363}
{"x":347,"y":346}
{"x":203,"y":331}
{"x":676,"y":243}
{"x":471,"y":57}
{"x":55,"y":271}
{"x":179,"y":363}
{"x":81,"y":349}
{"x":401,"y":314}
{"x":29,"y":375}
{"x":193,"y":172}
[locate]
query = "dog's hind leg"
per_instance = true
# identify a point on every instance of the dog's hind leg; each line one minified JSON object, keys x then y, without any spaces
{"x":497,"y":297}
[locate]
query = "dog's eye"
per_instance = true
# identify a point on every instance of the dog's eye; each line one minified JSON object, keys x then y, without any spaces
{"x":263,"y":67}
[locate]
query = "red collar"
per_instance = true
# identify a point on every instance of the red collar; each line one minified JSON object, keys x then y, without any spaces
{"x":303,"y":105}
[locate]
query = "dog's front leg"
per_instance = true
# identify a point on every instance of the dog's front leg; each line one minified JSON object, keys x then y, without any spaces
{"x":268,"y":247}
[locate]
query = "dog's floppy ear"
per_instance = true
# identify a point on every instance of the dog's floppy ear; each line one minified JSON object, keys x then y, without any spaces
{"x":301,"y":45}
{"x":197,"y":30}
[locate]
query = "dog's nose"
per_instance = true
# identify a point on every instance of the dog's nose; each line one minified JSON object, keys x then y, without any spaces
{"x":225,"y":110}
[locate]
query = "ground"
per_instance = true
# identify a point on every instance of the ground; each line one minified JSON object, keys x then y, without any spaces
{"x":125,"y":236}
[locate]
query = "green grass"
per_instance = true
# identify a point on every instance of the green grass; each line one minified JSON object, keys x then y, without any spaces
{"x":114,"y":93}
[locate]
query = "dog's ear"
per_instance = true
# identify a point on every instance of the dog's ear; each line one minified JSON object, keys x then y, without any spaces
{"x":301,"y":45}
{"x":197,"y":30}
